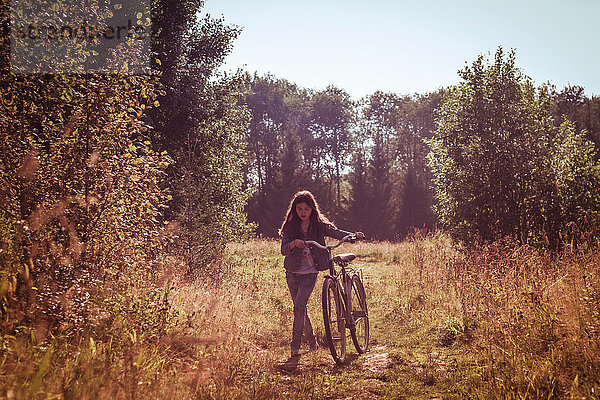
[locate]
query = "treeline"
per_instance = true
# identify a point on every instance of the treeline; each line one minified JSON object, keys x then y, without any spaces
{"x":365,"y":161}
{"x":491,"y":158}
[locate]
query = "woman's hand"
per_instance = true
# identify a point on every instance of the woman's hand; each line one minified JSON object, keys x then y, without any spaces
{"x":360,"y":235}
{"x":299,"y":243}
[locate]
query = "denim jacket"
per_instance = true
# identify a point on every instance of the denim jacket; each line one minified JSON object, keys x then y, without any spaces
{"x":293,"y":257}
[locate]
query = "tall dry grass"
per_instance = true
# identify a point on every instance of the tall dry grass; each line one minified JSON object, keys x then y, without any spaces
{"x":537,"y":319}
{"x":498,"y":321}
{"x":526,"y":323}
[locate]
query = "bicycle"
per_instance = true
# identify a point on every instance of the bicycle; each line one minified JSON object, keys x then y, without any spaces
{"x":344,"y":304}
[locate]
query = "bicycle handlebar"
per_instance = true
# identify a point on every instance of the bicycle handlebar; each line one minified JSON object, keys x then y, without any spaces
{"x":351,"y":237}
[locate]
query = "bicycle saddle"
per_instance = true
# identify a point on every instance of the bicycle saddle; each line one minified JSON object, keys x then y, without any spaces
{"x":344,"y":257}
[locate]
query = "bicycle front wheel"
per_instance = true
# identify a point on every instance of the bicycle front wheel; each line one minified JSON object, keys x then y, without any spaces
{"x":360,"y":330}
{"x":335,"y":323}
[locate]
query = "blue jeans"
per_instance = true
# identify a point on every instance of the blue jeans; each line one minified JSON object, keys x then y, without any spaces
{"x":301,"y":286}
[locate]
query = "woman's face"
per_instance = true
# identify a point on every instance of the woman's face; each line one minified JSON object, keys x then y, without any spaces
{"x":303,"y":210}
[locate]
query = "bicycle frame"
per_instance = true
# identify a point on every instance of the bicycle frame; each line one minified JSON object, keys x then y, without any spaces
{"x":345,"y":287}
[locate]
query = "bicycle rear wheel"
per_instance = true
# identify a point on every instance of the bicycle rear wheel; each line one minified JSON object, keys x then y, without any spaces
{"x":335,"y":323}
{"x":360,"y":331}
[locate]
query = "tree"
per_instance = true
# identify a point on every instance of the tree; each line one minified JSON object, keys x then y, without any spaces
{"x":80,"y":188}
{"x":381,"y":206}
{"x":330,"y":119}
{"x":267,"y":100}
{"x":298,"y":139}
{"x":415,"y":210}
{"x":416,"y":197}
{"x":201,"y":123}
{"x":492,"y":158}
{"x":279,"y":146}
{"x":571,"y":104}
{"x":359,"y":202}
{"x":393,"y":128}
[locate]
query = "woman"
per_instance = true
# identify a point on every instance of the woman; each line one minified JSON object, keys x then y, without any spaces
{"x":304,"y":221}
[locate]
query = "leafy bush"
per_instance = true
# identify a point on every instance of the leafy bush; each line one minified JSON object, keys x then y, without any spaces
{"x":501,"y":165}
{"x":81,"y":193}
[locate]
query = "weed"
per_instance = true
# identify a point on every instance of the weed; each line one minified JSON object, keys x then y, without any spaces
{"x":499,"y":321}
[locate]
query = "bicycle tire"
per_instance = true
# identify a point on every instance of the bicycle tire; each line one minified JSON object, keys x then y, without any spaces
{"x":360,"y":314}
{"x":335,"y":322}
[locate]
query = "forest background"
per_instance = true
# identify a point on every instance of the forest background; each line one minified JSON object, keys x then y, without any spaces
{"x":97,"y":194}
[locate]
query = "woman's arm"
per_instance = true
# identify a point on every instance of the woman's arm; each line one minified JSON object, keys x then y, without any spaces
{"x":335,"y":232}
{"x":288,"y":245}
{"x":340,"y":234}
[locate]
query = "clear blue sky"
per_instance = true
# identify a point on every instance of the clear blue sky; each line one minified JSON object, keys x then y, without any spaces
{"x":414,"y":46}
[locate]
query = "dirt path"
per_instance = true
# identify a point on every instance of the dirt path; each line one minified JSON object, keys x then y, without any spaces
{"x":376,"y":360}
{"x":373,"y":375}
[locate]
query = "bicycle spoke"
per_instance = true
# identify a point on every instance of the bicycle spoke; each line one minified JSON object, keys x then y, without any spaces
{"x":360,"y":332}
{"x":332,"y":312}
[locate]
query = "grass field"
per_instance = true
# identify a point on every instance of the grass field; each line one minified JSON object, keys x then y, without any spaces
{"x":494,"y":322}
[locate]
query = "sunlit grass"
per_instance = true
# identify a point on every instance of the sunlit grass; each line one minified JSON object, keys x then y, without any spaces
{"x":494,"y":322}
